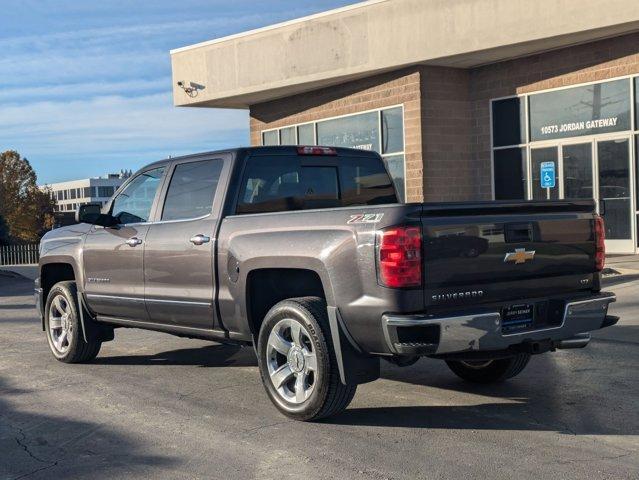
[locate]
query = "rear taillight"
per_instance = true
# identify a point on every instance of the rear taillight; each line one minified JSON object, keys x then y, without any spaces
{"x":311,"y":150}
{"x":600,"y":241}
{"x":399,"y":258}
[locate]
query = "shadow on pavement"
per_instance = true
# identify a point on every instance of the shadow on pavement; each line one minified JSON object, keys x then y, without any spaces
{"x":209,"y":356}
{"x":21,"y":306}
{"x":547,"y":402}
{"x":13,"y":285}
{"x":57,"y":447}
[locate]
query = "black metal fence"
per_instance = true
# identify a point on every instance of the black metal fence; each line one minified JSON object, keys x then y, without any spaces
{"x":19,"y":254}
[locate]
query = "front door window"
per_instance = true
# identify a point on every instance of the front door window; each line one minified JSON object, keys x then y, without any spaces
{"x":537,"y":157}
{"x":577,"y":170}
{"x":614,"y":187}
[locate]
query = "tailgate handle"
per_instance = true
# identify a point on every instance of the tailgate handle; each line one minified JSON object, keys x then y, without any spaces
{"x":518,"y":232}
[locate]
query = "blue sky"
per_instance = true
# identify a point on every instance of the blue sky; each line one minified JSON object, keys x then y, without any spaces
{"x":85,"y":87}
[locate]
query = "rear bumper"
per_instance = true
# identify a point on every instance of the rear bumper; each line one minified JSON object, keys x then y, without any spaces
{"x":483,"y":331}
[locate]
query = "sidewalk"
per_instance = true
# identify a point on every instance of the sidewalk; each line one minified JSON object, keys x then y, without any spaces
{"x":28,"y":271}
{"x":625,"y":262}
{"x":621,"y":269}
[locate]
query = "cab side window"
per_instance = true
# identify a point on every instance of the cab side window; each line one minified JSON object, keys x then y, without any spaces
{"x":133,"y":204}
{"x":192,"y":189}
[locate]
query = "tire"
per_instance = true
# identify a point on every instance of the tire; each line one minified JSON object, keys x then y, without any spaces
{"x":492,"y":371}
{"x":402,"y":361}
{"x":64,"y":328}
{"x":297,"y":361}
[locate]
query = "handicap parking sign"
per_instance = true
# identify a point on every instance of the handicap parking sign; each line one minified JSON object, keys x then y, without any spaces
{"x":548,"y":175}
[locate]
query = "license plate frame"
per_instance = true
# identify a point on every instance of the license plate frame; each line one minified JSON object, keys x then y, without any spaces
{"x":517,"y":317}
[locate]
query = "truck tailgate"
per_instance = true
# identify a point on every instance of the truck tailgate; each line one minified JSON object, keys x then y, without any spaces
{"x":494,"y":251}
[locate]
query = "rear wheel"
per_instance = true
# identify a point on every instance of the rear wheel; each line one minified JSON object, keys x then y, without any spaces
{"x":489,"y":371}
{"x":297,"y":362}
{"x":63,"y":326}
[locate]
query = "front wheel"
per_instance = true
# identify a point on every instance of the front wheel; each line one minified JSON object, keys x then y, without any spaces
{"x":489,"y":371}
{"x":297,"y":362}
{"x":63,"y":326}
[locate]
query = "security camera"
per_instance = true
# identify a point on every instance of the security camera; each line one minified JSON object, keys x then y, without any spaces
{"x":191,"y":91}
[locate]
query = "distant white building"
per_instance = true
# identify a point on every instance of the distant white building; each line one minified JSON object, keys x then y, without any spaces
{"x":69,"y":195}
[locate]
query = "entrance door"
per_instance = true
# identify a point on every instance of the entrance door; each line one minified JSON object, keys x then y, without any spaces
{"x":577,"y":167}
{"x":615,"y":189}
{"x":597,"y":169}
{"x":537,"y":157}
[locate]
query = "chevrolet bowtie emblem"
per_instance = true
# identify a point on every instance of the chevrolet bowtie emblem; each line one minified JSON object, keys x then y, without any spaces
{"x":520,"y":255}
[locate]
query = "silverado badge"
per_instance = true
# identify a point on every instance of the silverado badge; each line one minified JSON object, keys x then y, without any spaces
{"x":520,"y":255}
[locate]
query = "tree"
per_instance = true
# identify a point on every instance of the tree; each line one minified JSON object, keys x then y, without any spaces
{"x":27,"y":210}
{"x":4,"y":232}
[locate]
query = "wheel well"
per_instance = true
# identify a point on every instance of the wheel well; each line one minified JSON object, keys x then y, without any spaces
{"x":53,"y":273}
{"x":266,"y":287}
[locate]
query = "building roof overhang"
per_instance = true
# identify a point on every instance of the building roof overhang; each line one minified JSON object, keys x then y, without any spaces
{"x":376,"y":36}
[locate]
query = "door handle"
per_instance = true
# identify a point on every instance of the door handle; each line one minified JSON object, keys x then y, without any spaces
{"x":133,"y":242}
{"x":199,"y":239}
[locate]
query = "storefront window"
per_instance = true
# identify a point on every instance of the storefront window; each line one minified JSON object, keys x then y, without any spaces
{"x":578,"y":111}
{"x":392,"y":130}
{"x":270,"y":138}
{"x":509,"y":122}
{"x":637,"y":103}
{"x":305,"y":134}
{"x":287,"y":136}
{"x":637,"y":173}
{"x":355,"y":131}
{"x":510,"y":174}
{"x":395,"y":165}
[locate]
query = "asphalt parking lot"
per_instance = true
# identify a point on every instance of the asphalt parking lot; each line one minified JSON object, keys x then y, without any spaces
{"x":156,"y":406}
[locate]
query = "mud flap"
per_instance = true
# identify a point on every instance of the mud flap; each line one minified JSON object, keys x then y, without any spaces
{"x":93,"y":331}
{"x":355,"y":367}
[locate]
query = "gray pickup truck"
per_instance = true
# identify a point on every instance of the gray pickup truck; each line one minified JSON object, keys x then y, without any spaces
{"x":306,"y":254}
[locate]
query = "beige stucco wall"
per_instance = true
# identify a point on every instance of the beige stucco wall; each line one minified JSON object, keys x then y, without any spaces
{"x":380,"y":35}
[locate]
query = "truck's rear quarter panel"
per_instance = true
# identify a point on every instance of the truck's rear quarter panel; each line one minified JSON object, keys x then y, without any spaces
{"x":342,"y":253}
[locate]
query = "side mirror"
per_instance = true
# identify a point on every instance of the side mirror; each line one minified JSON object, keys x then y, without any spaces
{"x":87,"y":213}
{"x":91,"y":213}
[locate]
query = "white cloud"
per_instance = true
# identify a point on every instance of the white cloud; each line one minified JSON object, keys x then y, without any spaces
{"x":113,"y":127}
{"x":113,"y":121}
{"x":83,"y":90}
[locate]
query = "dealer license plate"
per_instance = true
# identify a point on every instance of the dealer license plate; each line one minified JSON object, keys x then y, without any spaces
{"x":517,"y":317}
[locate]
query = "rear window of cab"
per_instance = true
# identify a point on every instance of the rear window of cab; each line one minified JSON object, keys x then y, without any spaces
{"x":282,"y":183}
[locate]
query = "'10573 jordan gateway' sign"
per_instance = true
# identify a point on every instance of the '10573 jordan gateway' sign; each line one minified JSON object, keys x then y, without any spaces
{"x":578,"y":111}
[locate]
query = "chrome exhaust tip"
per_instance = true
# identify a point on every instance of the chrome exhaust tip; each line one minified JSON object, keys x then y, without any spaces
{"x":578,"y":341}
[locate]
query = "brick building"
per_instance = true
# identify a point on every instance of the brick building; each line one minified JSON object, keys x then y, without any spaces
{"x":465,"y":99}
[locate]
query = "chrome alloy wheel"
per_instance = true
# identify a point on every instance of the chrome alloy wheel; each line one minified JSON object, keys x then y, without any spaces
{"x":477,"y":365}
{"x":60,"y":324}
{"x":291,"y":361}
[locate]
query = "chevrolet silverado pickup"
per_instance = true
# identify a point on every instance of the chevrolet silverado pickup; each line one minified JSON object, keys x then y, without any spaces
{"x":306,"y":254}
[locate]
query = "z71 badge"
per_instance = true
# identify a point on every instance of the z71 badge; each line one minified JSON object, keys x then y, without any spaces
{"x":366,"y":218}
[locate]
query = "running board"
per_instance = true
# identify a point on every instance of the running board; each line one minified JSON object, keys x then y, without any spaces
{"x":180,"y":331}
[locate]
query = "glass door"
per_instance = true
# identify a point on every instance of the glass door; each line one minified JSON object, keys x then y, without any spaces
{"x":577,"y":170}
{"x":537,"y":157}
{"x":615,"y":189}
{"x":599,"y":169}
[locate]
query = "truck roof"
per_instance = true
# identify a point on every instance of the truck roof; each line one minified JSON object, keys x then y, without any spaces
{"x":261,"y":150}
